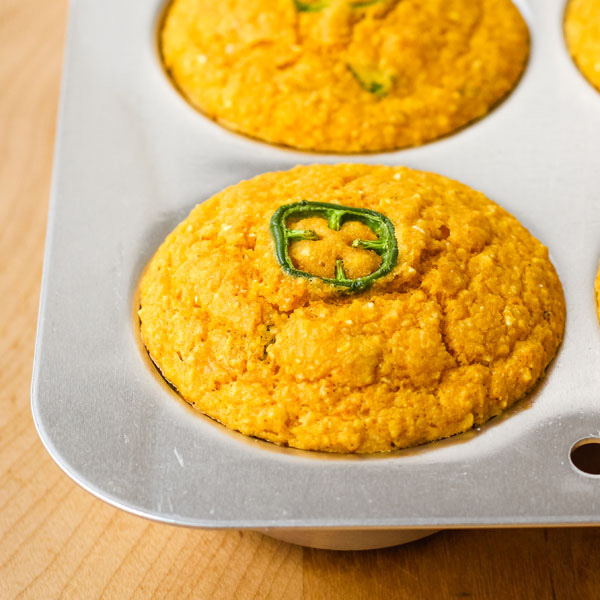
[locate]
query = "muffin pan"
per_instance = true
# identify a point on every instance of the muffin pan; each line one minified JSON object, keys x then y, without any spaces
{"x":132,"y":158}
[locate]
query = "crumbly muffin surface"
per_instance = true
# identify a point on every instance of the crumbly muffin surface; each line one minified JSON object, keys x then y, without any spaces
{"x":462,"y":327}
{"x":341,"y":75}
{"x":582,"y":30}
{"x":597,"y":292}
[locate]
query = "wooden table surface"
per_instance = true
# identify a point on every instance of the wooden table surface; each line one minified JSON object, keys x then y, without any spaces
{"x":56,"y":540}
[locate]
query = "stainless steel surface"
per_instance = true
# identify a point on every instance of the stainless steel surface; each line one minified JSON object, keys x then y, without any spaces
{"x":132,"y":159}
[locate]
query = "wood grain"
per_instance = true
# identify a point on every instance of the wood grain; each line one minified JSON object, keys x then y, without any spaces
{"x":58,"y":541}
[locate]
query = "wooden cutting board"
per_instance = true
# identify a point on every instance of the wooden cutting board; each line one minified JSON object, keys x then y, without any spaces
{"x":58,"y":541}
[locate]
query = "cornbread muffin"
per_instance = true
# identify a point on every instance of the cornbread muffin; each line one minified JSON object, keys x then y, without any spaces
{"x":452,"y":329}
{"x":582,"y":30}
{"x":597,"y":292}
{"x":344,"y":75}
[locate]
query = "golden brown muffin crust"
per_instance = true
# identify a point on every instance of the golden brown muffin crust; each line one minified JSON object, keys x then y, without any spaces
{"x":582,"y":31}
{"x":597,"y":292}
{"x":463,"y":326}
{"x":345,"y":78}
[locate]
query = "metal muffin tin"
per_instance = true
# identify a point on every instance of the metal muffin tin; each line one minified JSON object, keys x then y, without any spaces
{"x":132,"y":158}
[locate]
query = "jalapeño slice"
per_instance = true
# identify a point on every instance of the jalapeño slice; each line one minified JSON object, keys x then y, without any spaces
{"x":319,"y":5}
{"x":336,"y":215}
{"x":378,"y":82}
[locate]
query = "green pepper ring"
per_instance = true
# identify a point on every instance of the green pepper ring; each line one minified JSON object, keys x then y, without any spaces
{"x":385,"y":245}
{"x":319,"y":6}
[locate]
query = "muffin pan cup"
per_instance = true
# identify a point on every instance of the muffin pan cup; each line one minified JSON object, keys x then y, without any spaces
{"x":132,"y":159}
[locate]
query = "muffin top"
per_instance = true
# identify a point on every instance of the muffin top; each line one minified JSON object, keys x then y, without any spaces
{"x":582,"y":30}
{"x":461,"y":325}
{"x":597,"y":292}
{"x":344,"y":75}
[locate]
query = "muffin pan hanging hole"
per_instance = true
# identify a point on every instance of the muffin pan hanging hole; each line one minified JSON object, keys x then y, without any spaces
{"x":585,"y":456}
